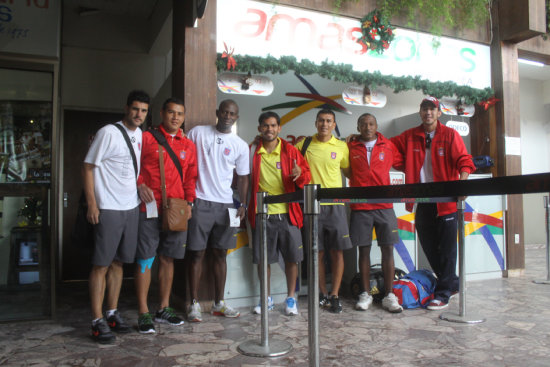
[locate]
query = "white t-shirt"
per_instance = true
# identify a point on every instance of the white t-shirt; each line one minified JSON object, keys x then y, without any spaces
{"x":218,"y":154}
{"x":370,"y":146}
{"x":114,"y":176}
{"x":426,"y":172}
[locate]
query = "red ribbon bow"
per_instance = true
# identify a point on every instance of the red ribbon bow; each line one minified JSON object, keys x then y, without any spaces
{"x":488,"y":103}
{"x":231,"y":63}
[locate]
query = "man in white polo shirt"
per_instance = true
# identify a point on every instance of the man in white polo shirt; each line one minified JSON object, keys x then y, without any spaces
{"x":110,"y":172}
{"x":219,"y":154}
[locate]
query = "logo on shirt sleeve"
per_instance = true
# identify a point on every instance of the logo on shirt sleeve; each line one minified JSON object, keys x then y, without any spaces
{"x":182,"y":154}
{"x":278,"y":165}
{"x":226,"y":151}
{"x":333,"y":155}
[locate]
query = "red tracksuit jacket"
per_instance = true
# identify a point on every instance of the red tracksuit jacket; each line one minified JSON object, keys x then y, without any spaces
{"x":384,"y":155}
{"x":449,"y":158}
{"x":150,"y":170}
{"x":288,"y":154}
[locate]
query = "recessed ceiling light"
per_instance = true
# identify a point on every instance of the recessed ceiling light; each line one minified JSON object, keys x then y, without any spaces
{"x":532,"y":63}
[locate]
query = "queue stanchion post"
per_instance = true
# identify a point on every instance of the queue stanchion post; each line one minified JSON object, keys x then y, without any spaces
{"x":311,"y":211}
{"x":266,"y":347}
{"x":461,"y":317}
{"x":547,"y":222}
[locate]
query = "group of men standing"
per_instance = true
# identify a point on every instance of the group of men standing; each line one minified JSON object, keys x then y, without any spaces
{"x":200,"y":169}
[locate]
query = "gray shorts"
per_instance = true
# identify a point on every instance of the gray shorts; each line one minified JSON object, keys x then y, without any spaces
{"x":333,"y":228}
{"x":152,"y":240}
{"x":281,"y":236}
{"x":209,"y":226}
{"x":115,"y":236}
{"x":384,"y":222}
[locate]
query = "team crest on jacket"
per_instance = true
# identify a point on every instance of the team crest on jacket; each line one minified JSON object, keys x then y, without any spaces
{"x":182,"y":155}
{"x":226,"y":151}
{"x":381,"y":156}
{"x":333,"y":155}
{"x":278,"y":165}
{"x":441,"y":152}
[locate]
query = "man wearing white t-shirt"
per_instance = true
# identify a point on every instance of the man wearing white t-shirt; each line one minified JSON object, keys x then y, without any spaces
{"x":109,"y":175}
{"x":219,"y":153}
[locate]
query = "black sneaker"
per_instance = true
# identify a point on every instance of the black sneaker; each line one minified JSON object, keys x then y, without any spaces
{"x":168,"y":316}
{"x":102,"y":333}
{"x":145,"y":323}
{"x":116,"y":323}
{"x":335,"y":305}
{"x":324,"y":302}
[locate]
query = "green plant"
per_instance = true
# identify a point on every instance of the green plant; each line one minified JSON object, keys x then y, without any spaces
{"x":344,"y":73}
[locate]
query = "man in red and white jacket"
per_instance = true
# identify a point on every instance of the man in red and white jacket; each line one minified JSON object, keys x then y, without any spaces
{"x":278,"y":168}
{"x":371,"y":158}
{"x":432,"y":153}
{"x":169,"y":245}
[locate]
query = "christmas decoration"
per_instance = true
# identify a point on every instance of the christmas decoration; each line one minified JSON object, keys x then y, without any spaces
{"x":377,"y":31}
{"x":31,"y":211}
{"x":231,"y":64}
{"x":344,"y":73}
{"x":488,"y":103}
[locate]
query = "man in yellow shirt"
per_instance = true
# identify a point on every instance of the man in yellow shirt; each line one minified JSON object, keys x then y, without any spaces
{"x":327,"y":157}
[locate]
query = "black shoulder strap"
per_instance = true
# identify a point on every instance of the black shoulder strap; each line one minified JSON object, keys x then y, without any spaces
{"x":127,"y":138}
{"x":307,"y":141}
{"x":162,"y":141}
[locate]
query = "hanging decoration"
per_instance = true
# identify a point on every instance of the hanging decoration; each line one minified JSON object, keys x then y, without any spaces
{"x":344,"y":73}
{"x":488,"y":103}
{"x":228,"y":53}
{"x":377,"y":31}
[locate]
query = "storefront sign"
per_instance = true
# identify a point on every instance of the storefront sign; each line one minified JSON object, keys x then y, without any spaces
{"x":30,"y":27}
{"x":258,"y":29}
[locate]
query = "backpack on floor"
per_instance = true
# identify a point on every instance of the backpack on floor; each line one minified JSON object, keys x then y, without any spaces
{"x":415,"y":289}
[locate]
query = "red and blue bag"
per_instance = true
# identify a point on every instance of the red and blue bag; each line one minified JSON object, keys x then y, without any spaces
{"x":415,"y":289}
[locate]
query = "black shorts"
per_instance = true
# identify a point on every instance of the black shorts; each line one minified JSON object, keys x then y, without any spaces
{"x":152,"y":240}
{"x":209,"y":226}
{"x":115,"y":236}
{"x":333,"y":228}
{"x":383,"y":221}
{"x":281,"y":236}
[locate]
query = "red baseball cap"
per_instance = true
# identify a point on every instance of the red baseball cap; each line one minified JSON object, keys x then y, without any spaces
{"x":432,"y":101}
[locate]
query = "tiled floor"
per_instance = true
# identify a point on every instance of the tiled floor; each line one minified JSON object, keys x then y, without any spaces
{"x":516,"y":333}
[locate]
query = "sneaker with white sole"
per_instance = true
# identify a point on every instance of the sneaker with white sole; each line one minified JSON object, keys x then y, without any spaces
{"x":437,"y":304}
{"x":365,"y":300}
{"x":291,"y":307}
{"x":223,"y":309}
{"x":258,"y":308}
{"x":391,"y":303}
{"x":194,"y":312}
{"x":168,"y":316}
{"x":145,"y":323}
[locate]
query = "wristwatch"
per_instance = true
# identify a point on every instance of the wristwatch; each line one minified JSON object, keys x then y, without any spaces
{"x":190,"y":203}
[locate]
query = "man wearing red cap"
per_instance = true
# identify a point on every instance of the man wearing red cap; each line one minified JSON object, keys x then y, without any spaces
{"x":433,"y":153}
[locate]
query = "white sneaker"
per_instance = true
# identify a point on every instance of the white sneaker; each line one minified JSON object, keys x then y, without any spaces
{"x":222,"y":309}
{"x":258,"y":308}
{"x":291,"y":307}
{"x":365,"y":300}
{"x":391,"y":303}
{"x":194,"y":312}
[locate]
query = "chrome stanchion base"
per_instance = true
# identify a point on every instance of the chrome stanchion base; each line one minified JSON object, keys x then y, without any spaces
{"x":466,"y":319}
{"x":542,"y":281}
{"x":275,"y":348}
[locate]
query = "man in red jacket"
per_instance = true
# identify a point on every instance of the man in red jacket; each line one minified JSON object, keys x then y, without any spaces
{"x":277,"y":168}
{"x":371,"y":158}
{"x":432,"y":153}
{"x":169,"y":245}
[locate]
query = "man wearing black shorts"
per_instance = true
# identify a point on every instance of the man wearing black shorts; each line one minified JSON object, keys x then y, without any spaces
{"x":278,"y":168}
{"x":169,"y":245}
{"x":109,"y":175}
{"x":219,"y":153}
{"x":371,"y":158}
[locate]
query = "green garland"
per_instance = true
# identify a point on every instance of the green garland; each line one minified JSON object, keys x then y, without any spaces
{"x":377,"y":31}
{"x":344,"y":73}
